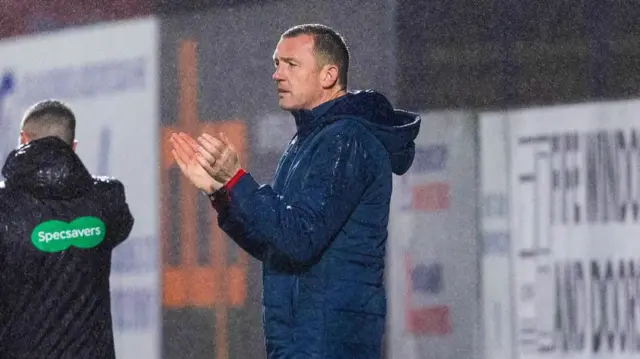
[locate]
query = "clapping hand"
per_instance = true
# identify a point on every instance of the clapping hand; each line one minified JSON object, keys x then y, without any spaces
{"x":209,"y":162}
{"x":185,"y":152}
{"x":218,"y":157}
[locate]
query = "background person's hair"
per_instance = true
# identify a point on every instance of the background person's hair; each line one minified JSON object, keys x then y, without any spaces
{"x":50,"y":118}
{"x":329,"y":47}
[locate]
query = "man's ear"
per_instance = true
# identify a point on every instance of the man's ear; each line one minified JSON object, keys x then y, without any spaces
{"x":329,"y":76}
{"x":24,"y":138}
{"x":75,"y":143}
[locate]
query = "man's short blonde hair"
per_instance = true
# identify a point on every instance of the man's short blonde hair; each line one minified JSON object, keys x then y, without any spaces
{"x":49,"y":118}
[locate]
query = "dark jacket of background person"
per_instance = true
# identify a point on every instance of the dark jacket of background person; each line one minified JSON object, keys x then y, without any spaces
{"x":54,"y":281}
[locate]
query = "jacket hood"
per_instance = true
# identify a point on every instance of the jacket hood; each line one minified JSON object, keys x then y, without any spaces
{"x":47,"y":168}
{"x":396,"y":129}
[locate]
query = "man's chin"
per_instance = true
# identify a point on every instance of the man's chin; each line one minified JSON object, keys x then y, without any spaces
{"x":286,"y":106}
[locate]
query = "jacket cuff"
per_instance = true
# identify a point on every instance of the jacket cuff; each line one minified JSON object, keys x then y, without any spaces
{"x":245,"y":186}
{"x":232,"y":182}
{"x":220,"y":198}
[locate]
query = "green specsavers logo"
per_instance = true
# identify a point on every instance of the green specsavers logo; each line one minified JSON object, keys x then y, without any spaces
{"x":56,"y":236}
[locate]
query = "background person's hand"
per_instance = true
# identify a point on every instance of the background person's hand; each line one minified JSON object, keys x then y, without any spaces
{"x":185,"y":152}
{"x":218,"y":157}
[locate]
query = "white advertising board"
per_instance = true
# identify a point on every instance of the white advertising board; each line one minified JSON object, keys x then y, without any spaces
{"x":433,"y":245}
{"x":494,"y":215}
{"x":575,"y":230}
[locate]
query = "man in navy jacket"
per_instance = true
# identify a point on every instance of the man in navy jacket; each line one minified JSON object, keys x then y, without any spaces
{"x":321,"y":229}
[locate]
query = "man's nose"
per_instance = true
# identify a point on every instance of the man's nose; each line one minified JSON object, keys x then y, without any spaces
{"x":276,"y":76}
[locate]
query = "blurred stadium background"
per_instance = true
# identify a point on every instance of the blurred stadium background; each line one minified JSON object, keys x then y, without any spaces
{"x":515,"y":234}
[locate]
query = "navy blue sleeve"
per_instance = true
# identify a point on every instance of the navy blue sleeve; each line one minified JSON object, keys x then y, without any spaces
{"x":234,"y":229}
{"x":301,"y":225}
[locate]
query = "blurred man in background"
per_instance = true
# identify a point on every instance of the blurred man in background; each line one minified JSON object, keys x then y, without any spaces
{"x":58,"y":227}
{"x":321,"y":228}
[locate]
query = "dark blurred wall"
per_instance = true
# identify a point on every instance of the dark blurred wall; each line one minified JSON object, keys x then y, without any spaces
{"x":20,"y":17}
{"x":178,"y":6}
{"x":216,"y":66}
{"x":503,"y":53}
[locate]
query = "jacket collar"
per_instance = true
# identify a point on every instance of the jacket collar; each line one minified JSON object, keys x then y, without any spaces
{"x":307,"y":120}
